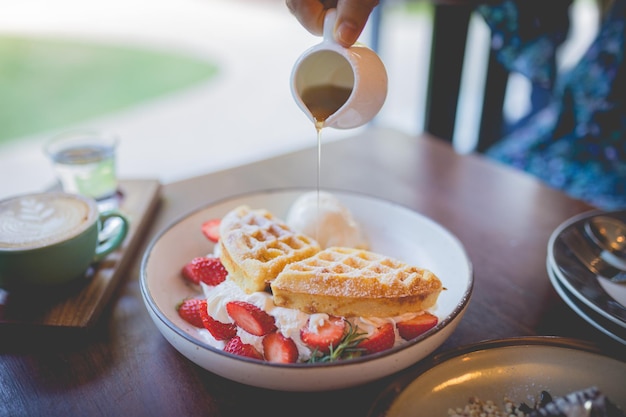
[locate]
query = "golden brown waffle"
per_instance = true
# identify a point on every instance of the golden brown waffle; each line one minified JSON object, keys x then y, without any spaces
{"x":352,"y":282}
{"x":255,"y":246}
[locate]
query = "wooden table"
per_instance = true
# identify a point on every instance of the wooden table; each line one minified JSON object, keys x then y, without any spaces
{"x":124,"y":367}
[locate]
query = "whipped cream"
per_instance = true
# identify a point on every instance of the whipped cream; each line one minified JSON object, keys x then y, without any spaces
{"x":288,"y":321}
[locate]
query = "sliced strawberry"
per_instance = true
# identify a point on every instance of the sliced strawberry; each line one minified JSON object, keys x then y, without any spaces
{"x":211,"y":229}
{"x":191,"y":310}
{"x":280,"y":349}
{"x":219,"y":330}
{"x":383,"y":338}
{"x":205,"y":269}
{"x":410,"y":329}
{"x":330,"y":333}
{"x":236,"y":346}
{"x":251,"y":318}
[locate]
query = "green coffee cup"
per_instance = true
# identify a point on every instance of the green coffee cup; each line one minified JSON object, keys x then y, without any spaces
{"x":50,"y":239}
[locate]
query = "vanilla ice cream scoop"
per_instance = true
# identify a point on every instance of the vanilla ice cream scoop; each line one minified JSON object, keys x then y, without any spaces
{"x":324,"y":218}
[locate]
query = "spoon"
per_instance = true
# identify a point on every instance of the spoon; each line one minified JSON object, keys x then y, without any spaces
{"x":609,"y":234}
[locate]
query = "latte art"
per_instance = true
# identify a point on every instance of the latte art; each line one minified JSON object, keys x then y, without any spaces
{"x":38,"y":220}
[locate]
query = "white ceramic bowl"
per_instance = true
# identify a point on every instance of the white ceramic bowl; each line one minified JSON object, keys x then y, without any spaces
{"x":392,"y":230}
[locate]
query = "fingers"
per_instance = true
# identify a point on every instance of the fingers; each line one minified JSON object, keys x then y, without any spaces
{"x":352,"y":16}
{"x":310,"y":13}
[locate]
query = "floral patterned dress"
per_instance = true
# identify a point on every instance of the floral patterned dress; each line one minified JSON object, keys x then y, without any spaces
{"x":577,"y":142}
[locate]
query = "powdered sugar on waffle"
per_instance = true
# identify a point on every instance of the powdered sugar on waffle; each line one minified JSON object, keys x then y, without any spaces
{"x":338,"y":222}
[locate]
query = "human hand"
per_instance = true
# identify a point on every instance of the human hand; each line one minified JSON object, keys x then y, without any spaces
{"x":352,"y":16}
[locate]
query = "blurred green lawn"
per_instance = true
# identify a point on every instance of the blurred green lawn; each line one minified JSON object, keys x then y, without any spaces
{"x":47,"y":84}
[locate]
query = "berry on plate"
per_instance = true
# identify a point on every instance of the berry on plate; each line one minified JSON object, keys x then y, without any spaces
{"x":251,"y":318}
{"x":326,"y":336}
{"x":191,"y":310}
{"x":238,"y":347}
{"x":211,"y":230}
{"x":219,"y":330}
{"x":280,"y":349}
{"x":411,"y":328}
{"x":383,"y":338}
{"x":208,"y":270}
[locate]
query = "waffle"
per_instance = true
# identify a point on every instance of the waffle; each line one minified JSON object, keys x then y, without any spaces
{"x":255,"y":246}
{"x":352,"y":282}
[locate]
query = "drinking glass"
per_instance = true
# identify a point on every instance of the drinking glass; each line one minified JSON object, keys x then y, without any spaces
{"x":84,"y":161}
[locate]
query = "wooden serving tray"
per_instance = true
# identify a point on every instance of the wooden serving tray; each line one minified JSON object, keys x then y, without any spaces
{"x":79,"y":306}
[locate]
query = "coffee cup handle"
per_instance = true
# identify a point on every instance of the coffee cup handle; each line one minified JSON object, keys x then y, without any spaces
{"x":114,"y":241}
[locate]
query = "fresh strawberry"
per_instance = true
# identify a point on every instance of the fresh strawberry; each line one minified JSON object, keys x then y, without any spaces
{"x":410,"y":329}
{"x":211,"y":229}
{"x":280,"y":349}
{"x":205,"y":269}
{"x":219,"y":330}
{"x":251,"y":318}
{"x":383,"y":338}
{"x":330,"y":333}
{"x":236,"y":346}
{"x":191,"y":310}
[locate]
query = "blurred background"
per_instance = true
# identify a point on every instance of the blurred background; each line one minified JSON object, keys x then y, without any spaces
{"x":194,"y":86}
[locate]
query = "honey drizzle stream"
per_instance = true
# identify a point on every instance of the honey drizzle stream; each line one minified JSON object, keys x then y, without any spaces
{"x":323,"y":101}
{"x":318,"y":126}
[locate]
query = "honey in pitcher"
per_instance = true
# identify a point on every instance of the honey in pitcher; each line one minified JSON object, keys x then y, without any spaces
{"x":324,"y":100}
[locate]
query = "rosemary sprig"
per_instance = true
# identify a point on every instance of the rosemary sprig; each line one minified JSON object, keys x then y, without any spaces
{"x":346,"y":349}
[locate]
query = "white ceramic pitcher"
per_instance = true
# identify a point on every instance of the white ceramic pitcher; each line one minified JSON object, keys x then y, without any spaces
{"x":357,"y":69}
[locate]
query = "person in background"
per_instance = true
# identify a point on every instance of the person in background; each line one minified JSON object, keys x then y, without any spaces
{"x":574,"y":139}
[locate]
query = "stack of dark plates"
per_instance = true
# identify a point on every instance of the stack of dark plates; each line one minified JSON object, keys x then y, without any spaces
{"x":586,"y":263}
